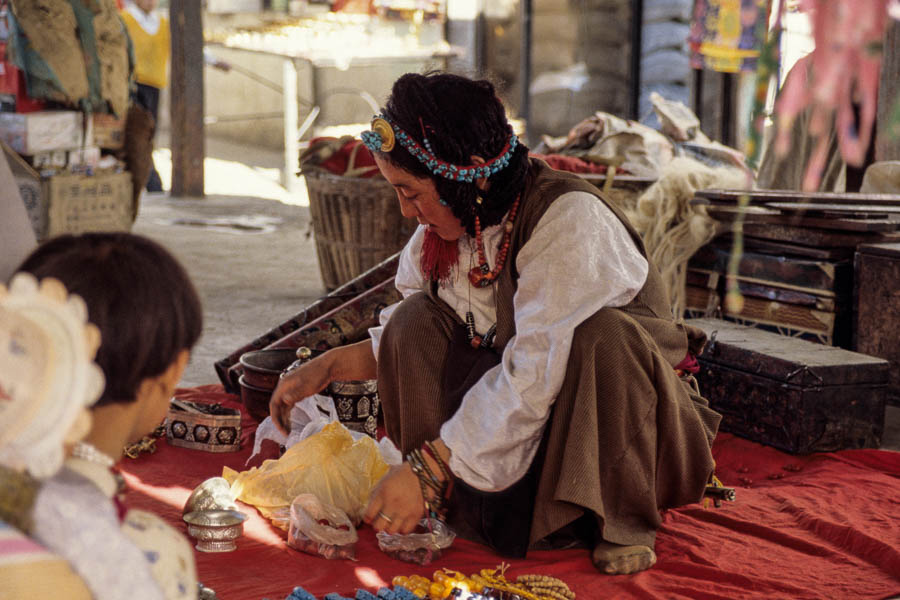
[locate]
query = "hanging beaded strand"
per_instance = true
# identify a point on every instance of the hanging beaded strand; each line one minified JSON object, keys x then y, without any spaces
{"x":482,"y":275}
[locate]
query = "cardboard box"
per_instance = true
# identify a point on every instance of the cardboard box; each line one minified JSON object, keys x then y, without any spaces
{"x":77,"y":203}
{"x":88,"y":156}
{"x":109,"y":132}
{"x":56,"y":159}
{"x":43,"y":131}
{"x":29,"y":183}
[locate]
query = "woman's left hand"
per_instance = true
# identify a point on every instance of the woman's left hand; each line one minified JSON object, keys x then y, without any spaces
{"x":396,"y":505}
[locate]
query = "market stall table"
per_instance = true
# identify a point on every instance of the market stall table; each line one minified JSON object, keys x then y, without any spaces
{"x":312,"y":63}
{"x":820,"y":526}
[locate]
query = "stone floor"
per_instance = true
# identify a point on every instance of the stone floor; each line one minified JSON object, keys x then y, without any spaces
{"x":249,"y":250}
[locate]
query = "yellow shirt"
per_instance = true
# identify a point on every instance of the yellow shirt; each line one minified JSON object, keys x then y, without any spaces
{"x":150,"y":36}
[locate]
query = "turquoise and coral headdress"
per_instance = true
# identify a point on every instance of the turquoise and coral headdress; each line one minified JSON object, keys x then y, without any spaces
{"x":384,"y":134}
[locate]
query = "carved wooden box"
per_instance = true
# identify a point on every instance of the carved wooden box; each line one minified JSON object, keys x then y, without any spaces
{"x":877,"y":302}
{"x":208,"y":427}
{"x":789,"y":393}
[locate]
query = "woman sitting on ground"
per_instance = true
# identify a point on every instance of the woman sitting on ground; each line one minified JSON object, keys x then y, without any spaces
{"x":149,"y":317}
{"x":530,"y":367}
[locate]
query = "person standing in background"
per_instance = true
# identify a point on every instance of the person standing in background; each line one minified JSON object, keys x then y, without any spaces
{"x":150,"y":35}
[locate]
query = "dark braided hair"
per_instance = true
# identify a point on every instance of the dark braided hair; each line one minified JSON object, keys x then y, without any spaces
{"x":461,"y":117}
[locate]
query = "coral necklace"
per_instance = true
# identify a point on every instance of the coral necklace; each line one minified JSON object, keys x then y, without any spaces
{"x":482,"y":275}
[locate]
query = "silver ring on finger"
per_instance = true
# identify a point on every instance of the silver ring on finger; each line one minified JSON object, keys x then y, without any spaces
{"x":385,"y":517}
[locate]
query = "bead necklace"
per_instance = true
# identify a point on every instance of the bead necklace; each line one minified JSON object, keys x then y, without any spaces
{"x":483,"y":275}
{"x":476,"y":340}
{"x":88,"y":452}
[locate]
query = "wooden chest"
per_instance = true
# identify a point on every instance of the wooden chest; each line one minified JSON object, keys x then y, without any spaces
{"x":807,"y":297}
{"x":877,"y":302}
{"x":796,"y":395}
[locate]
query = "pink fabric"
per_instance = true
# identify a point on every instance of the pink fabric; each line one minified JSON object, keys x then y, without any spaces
{"x":843,"y":69}
{"x":822,"y":526}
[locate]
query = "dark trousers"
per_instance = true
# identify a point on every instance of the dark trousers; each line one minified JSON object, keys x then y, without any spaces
{"x":147,"y":96}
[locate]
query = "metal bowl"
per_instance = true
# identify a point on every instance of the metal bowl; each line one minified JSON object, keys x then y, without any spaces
{"x":255,"y":399}
{"x":262,"y":367}
{"x":215,"y":530}
{"x":212,"y":494}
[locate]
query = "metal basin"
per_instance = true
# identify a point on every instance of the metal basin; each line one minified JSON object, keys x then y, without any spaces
{"x":262,"y":367}
{"x":215,"y":530}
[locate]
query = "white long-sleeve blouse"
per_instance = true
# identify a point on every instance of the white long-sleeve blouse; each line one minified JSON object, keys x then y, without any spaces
{"x":579,"y":259}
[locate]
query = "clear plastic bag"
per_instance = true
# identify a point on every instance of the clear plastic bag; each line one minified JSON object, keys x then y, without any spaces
{"x":321,"y":529}
{"x":424,"y":545}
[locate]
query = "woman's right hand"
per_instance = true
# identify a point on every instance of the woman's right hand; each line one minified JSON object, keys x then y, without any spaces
{"x":344,"y":363}
{"x":302,"y":382}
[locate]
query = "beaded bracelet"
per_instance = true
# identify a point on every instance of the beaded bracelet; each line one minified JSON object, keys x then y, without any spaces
{"x":432,"y":480}
{"x":431,"y":451}
{"x":427,"y":479}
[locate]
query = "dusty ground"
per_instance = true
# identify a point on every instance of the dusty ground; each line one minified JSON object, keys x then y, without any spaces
{"x":247,"y":249}
{"x":245,"y":245}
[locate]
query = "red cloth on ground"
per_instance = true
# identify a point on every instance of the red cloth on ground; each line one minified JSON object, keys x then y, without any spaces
{"x":822,"y":526}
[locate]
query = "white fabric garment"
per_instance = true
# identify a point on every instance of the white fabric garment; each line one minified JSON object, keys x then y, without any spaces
{"x":169,"y":553}
{"x":579,"y":259}
{"x":149,"y":22}
{"x":75,"y":517}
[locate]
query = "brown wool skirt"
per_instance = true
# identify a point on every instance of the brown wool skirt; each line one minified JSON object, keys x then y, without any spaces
{"x":626,"y":436}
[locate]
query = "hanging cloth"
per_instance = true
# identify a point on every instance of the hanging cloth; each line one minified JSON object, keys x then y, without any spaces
{"x":726,"y":35}
{"x":74,"y":52}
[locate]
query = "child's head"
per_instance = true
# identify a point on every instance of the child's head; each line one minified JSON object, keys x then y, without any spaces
{"x":139,"y":296}
{"x":146,"y":5}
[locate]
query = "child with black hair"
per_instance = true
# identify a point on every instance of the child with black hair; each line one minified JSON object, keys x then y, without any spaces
{"x":528,"y":374}
{"x":149,"y":317}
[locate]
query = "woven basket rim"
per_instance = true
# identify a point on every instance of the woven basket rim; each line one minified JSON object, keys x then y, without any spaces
{"x":320,"y":173}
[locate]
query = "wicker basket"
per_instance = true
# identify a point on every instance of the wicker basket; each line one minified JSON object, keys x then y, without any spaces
{"x":357,"y":223}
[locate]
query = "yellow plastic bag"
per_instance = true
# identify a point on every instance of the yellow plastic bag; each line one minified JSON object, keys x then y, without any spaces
{"x":328,"y":464}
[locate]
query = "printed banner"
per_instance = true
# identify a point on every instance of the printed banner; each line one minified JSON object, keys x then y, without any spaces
{"x":726,"y":35}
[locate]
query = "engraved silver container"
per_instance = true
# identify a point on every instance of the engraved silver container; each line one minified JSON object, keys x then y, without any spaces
{"x":215,"y":530}
{"x":212,"y":494}
{"x":357,"y":404}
